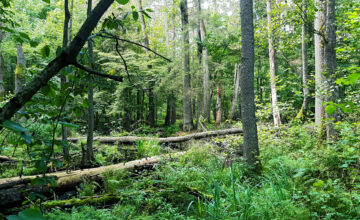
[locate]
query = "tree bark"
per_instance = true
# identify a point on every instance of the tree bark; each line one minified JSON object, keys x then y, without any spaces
{"x":20,"y":71}
{"x":187,"y":111}
{"x":205,"y":62}
{"x":236,"y":92}
{"x":305,"y":75}
{"x":12,"y":189}
{"x":319,"y":26}
{"x":274,"y":98}
{"x":251,"y":148}
{"x":332,"y":91}
{"x":64,"y":130}
{"x":179,"y":139}
{"x":67,"y":57}
{"x":218,"y":106}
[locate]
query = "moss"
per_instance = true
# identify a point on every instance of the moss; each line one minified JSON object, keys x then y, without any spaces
{"x":93,"y":200}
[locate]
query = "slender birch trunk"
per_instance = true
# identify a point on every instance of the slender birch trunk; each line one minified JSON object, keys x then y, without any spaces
{"x":236,"y":92}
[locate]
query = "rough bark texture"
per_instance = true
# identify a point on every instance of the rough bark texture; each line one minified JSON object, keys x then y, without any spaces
{"x":67,"y":57}
{"x":274,"y":99}
{"x":20,"y":70}
{"x":89,"y":154}
{"x":251,"y":148}
{"x":304,"y":56}
{"x":319,"y":26}
{"x":218,"y":106}
{"x":205,"y":62}
{"x":64,"y":130}
{"x":11,"y":189}
{"x":330,"y":64}
{"x":188,"y":119}
{"x":236,"y":92}
{"x":179,"y":139}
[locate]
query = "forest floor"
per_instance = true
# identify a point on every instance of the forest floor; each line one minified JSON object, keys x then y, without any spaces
{"x":299,"y":180}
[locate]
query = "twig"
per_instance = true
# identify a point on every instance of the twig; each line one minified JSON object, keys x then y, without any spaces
{"x":94,"y":72}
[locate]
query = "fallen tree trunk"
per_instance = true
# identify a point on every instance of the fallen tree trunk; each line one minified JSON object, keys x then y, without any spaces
{"x":179,"y":139}
{"x":13,"y":190}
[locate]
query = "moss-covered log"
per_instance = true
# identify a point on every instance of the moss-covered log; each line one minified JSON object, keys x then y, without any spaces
{"x":179,"y":139}
{"x":13,"y":190}
{"x":89,"y":200}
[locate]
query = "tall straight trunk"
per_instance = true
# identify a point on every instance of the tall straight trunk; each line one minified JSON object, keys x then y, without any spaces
{"x":64,"y":130}
{"x":20,"y":70}
{"x":71,"y":19}
{"x":205,"y":62}
{"x":274,"y":100}
{"x":173,"y":97}
{"x":234,"y":105}
{"x":218,"y":106}
{"x":319,"y":26}
{"x":250,"y":148}
{"x":2,"y":90}
{"x":187,"y":113}
{"x":139,"y":103}
{"x":127,"y":111}
{"x":305,"y":74}
{"x":89,"y":153}
{"x":332,"y":92}
{"x":151,"y":115}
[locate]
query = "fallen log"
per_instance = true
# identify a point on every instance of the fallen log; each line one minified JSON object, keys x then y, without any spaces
{"x":13,"y":190}
{"x":179,"y":139}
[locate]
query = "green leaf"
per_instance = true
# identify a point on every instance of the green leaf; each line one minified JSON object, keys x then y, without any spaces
{"x":34,"y":43}
{"x":149,"y":10}
{"x":47,"y":1}
{"x":135,"y":15}
{"x":28,"y":214}
{"x":330,"y":109}
{"x":24,"y":35}
{"x":123,"y":2}
{"x":45,"y":51}
{"x":14,"y":126}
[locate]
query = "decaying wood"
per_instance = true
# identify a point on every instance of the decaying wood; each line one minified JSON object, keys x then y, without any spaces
{"x":179,"y":139}
{"x":13,"y":190}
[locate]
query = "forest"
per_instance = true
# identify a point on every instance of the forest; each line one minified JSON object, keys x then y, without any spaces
{"x":179,"y":109}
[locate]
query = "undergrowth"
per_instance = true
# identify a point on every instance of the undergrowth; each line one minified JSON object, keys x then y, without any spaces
{"x":299,"y":180}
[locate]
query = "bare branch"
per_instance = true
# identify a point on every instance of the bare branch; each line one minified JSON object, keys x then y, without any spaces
{"x":111,"y":36}
{"x":94,"y":72}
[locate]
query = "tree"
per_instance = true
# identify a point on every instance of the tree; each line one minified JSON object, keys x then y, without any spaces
{"x":64,"y":130}
{"x":89,"y":154}
{"x":274,"y":98}
{"x":67,"y":57}
{"x":304,"y":63}
{"x":188,"y":120}
{"x":332,"y":92}
{"x":319,"y":27}
{"x":205,"y":62}
{"x":251,"y":148}
{"x":236,"y":92}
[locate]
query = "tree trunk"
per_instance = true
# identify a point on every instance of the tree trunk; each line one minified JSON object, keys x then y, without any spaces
{"x":332,"y":92}
{"x":319,"y":26}
{"x":89,"y":154}
{"x":133,"y":139}
{"x":67,"y":57}
{"x":305,"y":75}
{"x":20,"y":70}
{"x":205,"y":62}
{"x":234,"y":105}
{"x":173,"y":110}
{"x":151,"y":115}
{"x":274,"y":100}
{"x":187,"y":111}
{"x":64,"y":130}
{"x":251,"y":148}
{"x":218,"y":106}
{"x":12,"y":189}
